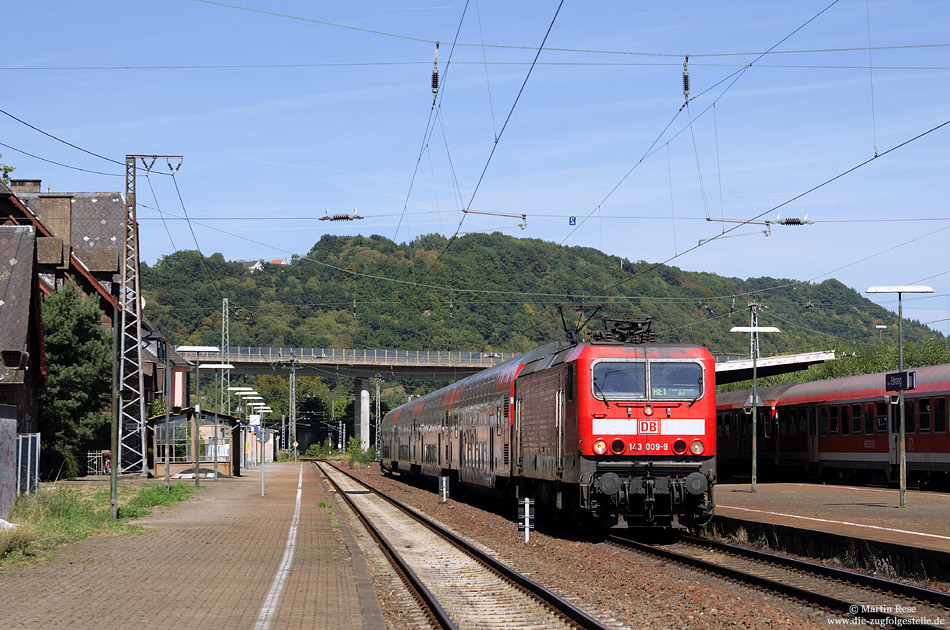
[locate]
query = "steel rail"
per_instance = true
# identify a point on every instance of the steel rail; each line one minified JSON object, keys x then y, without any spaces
{"x":565,"y":608}
{"x":871,"y":581}
{"x":428,"y":600}
{"x":783,"y":588}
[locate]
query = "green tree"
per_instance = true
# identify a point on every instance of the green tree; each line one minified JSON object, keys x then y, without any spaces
{"x":5,"y":171}
{"x":79,"y":363}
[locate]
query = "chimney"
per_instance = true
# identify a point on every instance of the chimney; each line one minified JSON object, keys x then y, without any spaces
{"x":25,"y":185}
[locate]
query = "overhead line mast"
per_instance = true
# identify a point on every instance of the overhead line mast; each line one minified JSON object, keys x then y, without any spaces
{"x":131,"y":426}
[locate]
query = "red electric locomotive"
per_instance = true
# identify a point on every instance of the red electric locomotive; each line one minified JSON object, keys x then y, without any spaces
{"x":842,"y":428}
{"x":616,"y":427}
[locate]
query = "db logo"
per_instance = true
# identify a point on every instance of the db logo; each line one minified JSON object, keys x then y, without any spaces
{"x":649,"y":427}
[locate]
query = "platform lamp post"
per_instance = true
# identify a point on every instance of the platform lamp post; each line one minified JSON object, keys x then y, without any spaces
{"x":263,"y":432}
{"x":754,"y":330}
{"x":261,"y":408}
{"x":243,"y":396}
{"x":901,"y":444}
{"x":247,"y":397}
{"x":231,"y":391}
{"x":880,"y":334}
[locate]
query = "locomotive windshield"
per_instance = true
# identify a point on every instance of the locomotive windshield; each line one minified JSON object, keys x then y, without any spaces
{"x":670,"y":381}
{"x":627,"y":380}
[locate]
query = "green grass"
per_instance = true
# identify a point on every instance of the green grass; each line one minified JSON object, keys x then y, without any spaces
{"x":155,"y":496}
{"x":66,"y":514}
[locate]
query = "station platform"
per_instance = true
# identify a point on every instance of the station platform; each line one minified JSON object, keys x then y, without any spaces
{"x":918,"y":534}
{"x":228,"y":558}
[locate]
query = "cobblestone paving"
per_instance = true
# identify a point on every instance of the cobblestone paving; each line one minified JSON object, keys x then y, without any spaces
{"x":206,"y":563}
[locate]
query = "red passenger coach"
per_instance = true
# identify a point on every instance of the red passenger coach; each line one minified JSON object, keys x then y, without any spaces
{"x":842,"y":428}
{"x":622,"y":431}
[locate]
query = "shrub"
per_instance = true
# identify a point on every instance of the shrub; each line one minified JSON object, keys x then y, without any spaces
{"x":319,"y":451}
{"x":356,"y":455}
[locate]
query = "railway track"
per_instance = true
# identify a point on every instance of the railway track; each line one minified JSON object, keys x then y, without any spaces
{"x":859,"y":599}
{"x":458,"y":584}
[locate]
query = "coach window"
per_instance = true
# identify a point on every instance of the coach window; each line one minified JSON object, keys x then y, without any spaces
{"x":833,"y":420}
{"x":881,"y":418}
{"x":923,"y":415}
{"x":856,"y":419}
{"x":823,"y":421}
{"x":812,"y":422}
{"x":910,"y":423}
{"x":845,"y":420}
{"x":801,"y":421}
{"x":940,"y":415}
{"x":869,"y":419}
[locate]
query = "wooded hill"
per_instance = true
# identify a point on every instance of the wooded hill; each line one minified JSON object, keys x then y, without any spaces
{"x":490,"y":293}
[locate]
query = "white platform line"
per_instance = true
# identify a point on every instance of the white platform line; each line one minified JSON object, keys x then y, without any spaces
{"x":273,"y":596}
{"x":825,"y":520}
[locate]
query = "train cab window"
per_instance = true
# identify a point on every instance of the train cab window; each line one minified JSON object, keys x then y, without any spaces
{"x":923,"y":415}
{"x":910,"y":421}
{"x":833,"y":420}
{"x":823,"y":421}
{"x":619,"y":380}
{"x":676,"y":380}
{"x":845,"y":420}
{"x":869,"y":419}
{"x":940,"y":415}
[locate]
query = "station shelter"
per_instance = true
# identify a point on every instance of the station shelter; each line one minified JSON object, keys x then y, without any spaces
{"x":219,"y":444}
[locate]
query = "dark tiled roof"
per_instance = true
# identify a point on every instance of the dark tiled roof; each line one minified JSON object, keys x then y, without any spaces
{"x":97,"y":226}
{"x":16,"y":291}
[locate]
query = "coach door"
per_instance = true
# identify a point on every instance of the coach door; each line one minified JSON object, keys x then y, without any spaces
{"x":516,"y":434}
{"x":894,"y":414}
{"x":813,"y":435}
{"x":559,"y":424}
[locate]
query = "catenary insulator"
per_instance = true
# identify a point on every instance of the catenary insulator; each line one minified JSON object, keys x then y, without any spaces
{"x":686,"y":78}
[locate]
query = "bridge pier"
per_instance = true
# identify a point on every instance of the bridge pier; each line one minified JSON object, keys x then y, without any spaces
{"x":361,"y":410}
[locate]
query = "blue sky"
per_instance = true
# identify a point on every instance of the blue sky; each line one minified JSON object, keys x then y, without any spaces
{"x":286,"y":109}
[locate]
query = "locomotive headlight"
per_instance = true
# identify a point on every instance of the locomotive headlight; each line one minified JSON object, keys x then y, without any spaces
{"x":600,"y":447}
{"x":648,"y":410}
{"x":697,"y":447}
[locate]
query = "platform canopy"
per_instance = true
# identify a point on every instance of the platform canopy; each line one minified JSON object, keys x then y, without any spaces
{"x":741,"y":369}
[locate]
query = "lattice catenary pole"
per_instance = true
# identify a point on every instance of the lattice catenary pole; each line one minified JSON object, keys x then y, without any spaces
{"x":131,"y":456}
{"x":225,"y":355}
{"x":131,"y":427}
{"x":292,"y":419}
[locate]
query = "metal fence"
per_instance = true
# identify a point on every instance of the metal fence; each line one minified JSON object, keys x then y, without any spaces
{"x":28,"y":463}
{"x":96,"y":462}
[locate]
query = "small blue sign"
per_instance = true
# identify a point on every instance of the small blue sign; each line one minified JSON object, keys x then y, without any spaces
{"x":572,"y":221}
